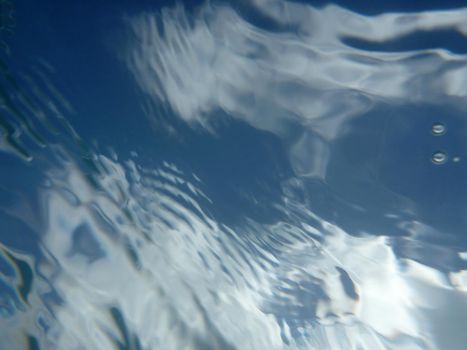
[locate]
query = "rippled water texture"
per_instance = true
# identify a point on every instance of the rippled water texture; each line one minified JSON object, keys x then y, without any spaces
{"x":232,"y":175}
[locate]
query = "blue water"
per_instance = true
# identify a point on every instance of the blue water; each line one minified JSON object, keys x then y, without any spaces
{"x":243,"y":175}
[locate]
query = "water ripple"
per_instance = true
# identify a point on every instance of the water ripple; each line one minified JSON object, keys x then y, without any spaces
{"x":244,"y":287}
{"x":105,"y":248}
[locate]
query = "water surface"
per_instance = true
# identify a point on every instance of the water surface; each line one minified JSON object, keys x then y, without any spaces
{"x":233,"y":175}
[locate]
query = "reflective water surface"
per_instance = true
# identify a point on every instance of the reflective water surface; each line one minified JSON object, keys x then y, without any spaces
{"x":260,"y":174}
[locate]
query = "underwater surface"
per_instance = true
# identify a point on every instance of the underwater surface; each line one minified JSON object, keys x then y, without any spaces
{"x":260,"y":174}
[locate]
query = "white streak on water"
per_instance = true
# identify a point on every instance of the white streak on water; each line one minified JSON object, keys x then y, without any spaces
{"x":303,"y":75}
{"x":199,"y":284}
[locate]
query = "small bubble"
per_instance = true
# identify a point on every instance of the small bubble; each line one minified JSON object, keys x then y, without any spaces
{"x":439,"y":157}
{"x":456,"y":159}
{"x":438,"y":129}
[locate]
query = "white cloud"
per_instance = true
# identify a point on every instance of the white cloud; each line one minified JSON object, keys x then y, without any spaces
{"x":199,"y":282}
{"x":305,"y":76}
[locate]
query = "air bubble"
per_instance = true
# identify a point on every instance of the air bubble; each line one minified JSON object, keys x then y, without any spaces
{"x":438,"y":129}
{"x":439,"y":158}
{"x":456,"y":159}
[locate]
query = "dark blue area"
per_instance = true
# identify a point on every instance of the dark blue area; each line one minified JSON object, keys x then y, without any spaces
{"x":239,"y":164}
{"x":447,"y":39}
{"x":406,"y":167}
{"x":375,"y":7}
